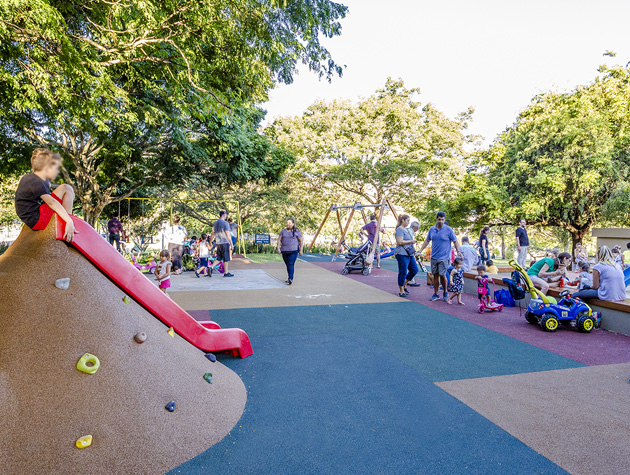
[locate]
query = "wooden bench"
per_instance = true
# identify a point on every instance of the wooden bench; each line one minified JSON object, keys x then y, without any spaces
{"x":615,"y":315}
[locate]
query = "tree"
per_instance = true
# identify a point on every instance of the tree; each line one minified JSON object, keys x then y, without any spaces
{"x":386,"y":145}
{"x":566,"y":156}
{"x":126,"y":91}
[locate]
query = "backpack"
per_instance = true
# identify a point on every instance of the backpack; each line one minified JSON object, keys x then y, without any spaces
{"x":515,"y":287}
{"x":504,"y":297}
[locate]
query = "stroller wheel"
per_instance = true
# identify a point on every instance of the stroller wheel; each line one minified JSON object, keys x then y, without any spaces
{"x":366,"y":271}
{"x":344,"y":271}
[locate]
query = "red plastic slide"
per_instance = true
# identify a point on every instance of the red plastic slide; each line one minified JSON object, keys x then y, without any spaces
{"x":104,"y":256}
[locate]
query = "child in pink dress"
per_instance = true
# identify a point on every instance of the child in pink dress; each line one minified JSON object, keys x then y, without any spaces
{"x":163,"y":270}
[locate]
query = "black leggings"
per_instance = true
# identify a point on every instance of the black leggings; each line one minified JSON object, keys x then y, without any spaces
{"x":177,"y":251}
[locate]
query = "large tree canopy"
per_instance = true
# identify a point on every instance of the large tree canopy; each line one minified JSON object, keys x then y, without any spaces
{"x":140,"y":93}
{"x":386,"y":145}
{"x":566,"y":155}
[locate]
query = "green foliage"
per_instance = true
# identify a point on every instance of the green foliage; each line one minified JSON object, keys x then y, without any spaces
{"x":563,"y":163}
{"x":147,"y":93}
{"x":387,"y":145}
{"x":8,"y":185}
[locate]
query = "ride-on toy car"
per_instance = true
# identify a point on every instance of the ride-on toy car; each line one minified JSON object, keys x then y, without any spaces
{"x":545,"y":311}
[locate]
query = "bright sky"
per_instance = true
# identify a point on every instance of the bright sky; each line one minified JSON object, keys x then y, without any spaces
{"x":493,"y":55}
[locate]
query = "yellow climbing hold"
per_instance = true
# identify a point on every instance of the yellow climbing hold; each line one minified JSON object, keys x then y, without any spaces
{"x":126,"y":299}
{"x":84,"y":441}
{"x":88,"y":364}
{"x":171,"y":332}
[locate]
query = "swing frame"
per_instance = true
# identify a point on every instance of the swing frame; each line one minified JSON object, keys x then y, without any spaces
{"x":379,"y":210}
{"x":240,"y":239}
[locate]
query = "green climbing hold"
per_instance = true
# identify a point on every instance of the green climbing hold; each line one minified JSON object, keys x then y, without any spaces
{"x":126,"y":299}
{"x":88,"y":364}
{"x":208,"y":377}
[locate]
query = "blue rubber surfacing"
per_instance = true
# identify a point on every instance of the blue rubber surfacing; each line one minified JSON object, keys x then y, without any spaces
{"x":334,"y":403}
{"x":349,"y":389}
{"x":438,"y":346}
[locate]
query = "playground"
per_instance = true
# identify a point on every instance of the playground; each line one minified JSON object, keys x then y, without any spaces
{"x":294,"y":238}
{"x":344,"y":376}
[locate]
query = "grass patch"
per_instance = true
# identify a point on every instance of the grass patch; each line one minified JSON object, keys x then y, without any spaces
{"x":261,"y":258}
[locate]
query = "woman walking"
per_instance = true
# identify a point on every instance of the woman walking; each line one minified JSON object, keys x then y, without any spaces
{"x":290,"y":245}
{"x":484,"y":254}
{"x":405,"y":255}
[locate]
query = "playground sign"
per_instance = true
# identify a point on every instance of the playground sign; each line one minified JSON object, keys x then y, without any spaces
{"x":262,"y":239}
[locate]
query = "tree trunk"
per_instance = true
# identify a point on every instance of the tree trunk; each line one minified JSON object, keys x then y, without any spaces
{"x":577,"y":236}
{"x":502,"y":245}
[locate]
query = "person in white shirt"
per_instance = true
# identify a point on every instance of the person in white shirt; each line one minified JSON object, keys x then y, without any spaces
{"x":176,"y":237}
{"x":469,"y":253}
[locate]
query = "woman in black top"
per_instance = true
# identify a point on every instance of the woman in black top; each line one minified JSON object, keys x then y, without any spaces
{"x":483,"y":245}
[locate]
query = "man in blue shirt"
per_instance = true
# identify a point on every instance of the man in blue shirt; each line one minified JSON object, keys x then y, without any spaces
{"x":440,"y":236}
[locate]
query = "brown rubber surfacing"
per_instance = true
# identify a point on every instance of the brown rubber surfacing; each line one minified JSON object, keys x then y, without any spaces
{"x":312,"y":286}
{"x":579,"y":418}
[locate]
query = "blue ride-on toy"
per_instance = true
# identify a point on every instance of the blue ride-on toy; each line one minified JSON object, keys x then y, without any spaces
{"x":545,"y":311}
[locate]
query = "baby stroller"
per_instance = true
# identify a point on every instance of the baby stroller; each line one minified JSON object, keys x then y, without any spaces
{"x":357,"y":259}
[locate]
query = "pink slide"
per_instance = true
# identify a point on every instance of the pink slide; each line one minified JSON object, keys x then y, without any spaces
{"x":203,"y":335}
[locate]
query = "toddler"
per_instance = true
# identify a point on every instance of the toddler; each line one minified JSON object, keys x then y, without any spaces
{"x":203,"y":251}
{"x":491,"y":268}
{"x":585,"y":278}
{"x":483,"y":289}
{"x":456,"y":278}
{"x":163,"y":270}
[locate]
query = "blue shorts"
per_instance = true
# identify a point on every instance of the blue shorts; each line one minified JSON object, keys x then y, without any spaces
{"x":203,"y":262}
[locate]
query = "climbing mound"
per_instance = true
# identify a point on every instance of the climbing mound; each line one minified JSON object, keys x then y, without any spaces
{"x":47,"y":403}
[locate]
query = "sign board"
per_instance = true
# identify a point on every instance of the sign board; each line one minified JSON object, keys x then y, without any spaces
{"x":262,"y":239}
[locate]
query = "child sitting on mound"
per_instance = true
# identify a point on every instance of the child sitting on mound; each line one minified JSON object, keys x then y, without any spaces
{"x":34,"y":202}
{"x":491,"y":268}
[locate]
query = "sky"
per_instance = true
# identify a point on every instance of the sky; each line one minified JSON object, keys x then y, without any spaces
{"x":493,"y":55}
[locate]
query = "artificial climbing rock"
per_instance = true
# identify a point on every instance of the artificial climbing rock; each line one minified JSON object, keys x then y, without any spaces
{"x":88,"y":364}
{"x":140,"y":337}
{"x":63,"y":283}
{"x":83,"y":442}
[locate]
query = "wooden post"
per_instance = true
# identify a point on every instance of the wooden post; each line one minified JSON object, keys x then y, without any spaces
{"x":339,"y":221}
{"x":365,"y":220}
{"x":321,"y":226}
{"x":343,"y":235}
{"x":389,"y":203}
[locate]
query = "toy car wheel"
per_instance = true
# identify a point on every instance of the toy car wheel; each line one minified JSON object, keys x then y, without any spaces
{"x":366,"y":271}
{"x":585,"y":324}
{"x":549,"y":323}
{"x":531,"y":318}
{"x":344,"y":271}
{"x":500,"y":309}
{"x":480,"y":308}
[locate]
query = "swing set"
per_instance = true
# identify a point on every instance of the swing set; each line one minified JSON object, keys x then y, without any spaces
{"x":149,"y":239}
{"x":379,"y":210}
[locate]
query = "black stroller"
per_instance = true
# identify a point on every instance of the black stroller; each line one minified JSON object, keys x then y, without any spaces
{"x":357,"y":259}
